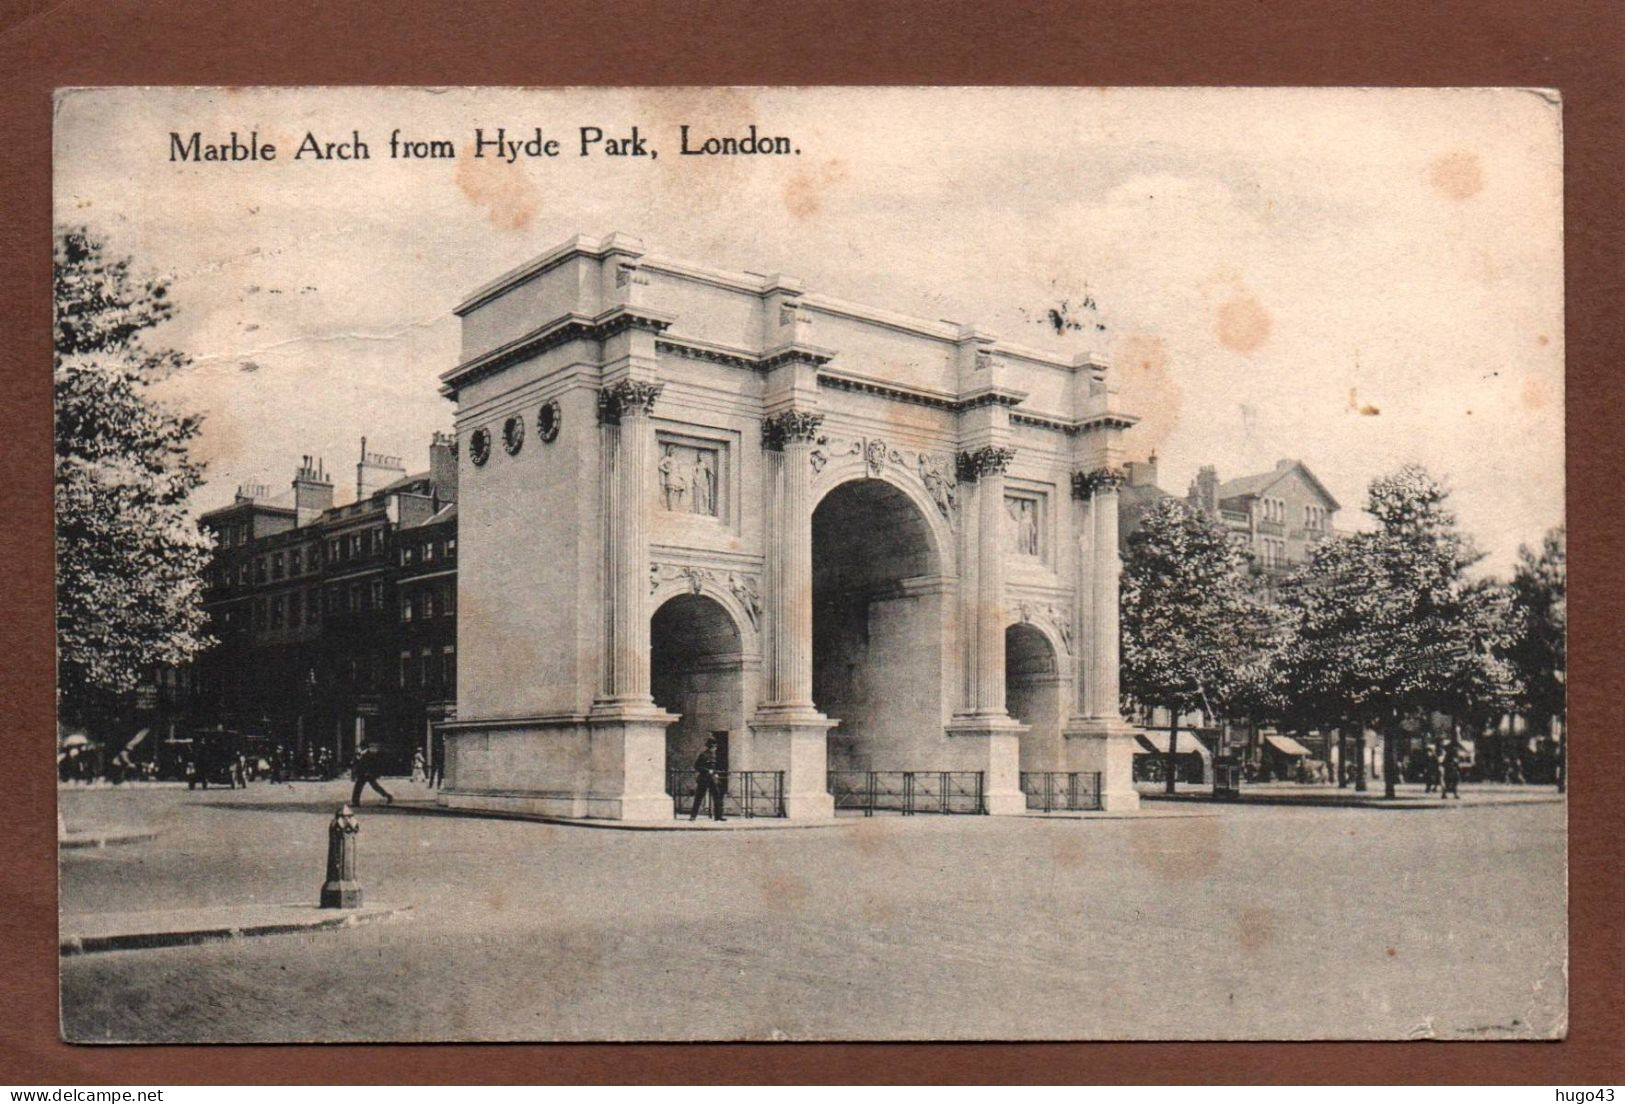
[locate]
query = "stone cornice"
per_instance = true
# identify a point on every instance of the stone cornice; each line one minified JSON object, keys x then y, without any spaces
{"x":560,"y":331}
{"x":740,"y":358}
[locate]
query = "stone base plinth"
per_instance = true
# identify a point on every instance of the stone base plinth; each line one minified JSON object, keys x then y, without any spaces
{"x":610,"y":764}
{"x":1106,"y":745}
{"x":992,"y":745}
{"x":796,"y":741}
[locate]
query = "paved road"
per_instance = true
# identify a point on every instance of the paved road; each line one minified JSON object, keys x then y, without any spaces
{"x":1256,"y":922}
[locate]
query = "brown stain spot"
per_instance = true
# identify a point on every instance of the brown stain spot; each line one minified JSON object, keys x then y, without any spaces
{"x":1178,"y":850}
{"x":870,"y":837}
{"x":1243,"y":323}
{"x":1147,"y":387}
{"x":1365,"y":410}
{"x":1458,"y":175}
{"x":1068,"y":851}
{"x":783,"y":890}
{"x":804,"y":192}
{"x":1255,"y":928}
{"x":1543,"y":340}
{"x":508,"y":195}
{"x":1536,"y":393}
{"x":1392,"y":952}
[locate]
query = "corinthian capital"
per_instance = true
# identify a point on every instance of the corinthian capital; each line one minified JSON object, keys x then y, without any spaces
{"x":1085,"y":484}
{"x":627,"y":398}
{"x":984,"y":461}
{"x":789,"y":425}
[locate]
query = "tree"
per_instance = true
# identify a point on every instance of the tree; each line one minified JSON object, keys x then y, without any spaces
{"x":1538,"y":646}
{"x":1387,"y":623}
{"x":1193,"y":637}
{"x":129,"y":559}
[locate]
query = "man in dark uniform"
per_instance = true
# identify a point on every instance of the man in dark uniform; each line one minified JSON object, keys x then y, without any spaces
{"x":365,"y":772}
{"x":707,"y":782}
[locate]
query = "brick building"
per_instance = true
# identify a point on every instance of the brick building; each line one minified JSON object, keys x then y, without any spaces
{"x":304,"y":598}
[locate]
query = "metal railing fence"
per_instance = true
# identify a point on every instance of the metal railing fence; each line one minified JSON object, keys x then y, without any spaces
{"x":744,"y":793}
{"x":1057,"y":791}
{"x":907,"y":792}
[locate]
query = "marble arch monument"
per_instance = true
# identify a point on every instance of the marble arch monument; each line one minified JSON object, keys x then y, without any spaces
{"x":695,"y":500}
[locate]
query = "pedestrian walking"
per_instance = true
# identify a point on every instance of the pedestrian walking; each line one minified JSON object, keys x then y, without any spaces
{"x":420,"y":767}
{"x":437,"y":759}
{"x":706,"y":782}
{"x":365,"y":770}
{"x":1451,"y":770}
{"x":1432,"y":771}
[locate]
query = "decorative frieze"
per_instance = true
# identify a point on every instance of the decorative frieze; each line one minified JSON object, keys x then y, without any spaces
{"x":1057,"y":618}
{"x":934,"y":470}
{"x":984,"y":461}
{"x":744,"y":588}
{"x":627,"y":397}
{"x":789,"y":425}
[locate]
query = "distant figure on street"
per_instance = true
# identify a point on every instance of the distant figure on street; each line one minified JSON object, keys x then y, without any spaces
{"x":706,"y":782}
{"x":365,"y":771}
{"x":437,"y":759}
{"x":420,"y":767}
{"x":1433,"y":769}
{"x":1451,"y":769}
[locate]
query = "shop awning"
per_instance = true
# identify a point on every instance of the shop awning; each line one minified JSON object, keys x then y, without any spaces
{"x":1287,"y":745}
{"x":1156,"y":741}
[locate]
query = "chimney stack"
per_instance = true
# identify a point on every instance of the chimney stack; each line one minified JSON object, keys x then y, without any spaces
{"x":312,"y":490}
{"x":443,"y":468}
{"x":374,"y":471}
{"x":1204,"y":492}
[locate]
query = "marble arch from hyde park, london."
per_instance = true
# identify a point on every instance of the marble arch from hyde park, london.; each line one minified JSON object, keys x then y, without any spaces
{"x":696,"y":501}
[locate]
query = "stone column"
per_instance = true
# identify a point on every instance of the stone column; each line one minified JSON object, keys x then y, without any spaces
{"x":1107,"y":579}
{"x":987,"y":466}
{"x":1100,"y":739}
{"x":628,"y":756}
{"x":986,"y":734}
{"x":790,"y":733}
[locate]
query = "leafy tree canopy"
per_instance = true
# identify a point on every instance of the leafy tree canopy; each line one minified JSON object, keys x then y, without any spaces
{"x":129,"y":560}
{"x":1194,"y":636}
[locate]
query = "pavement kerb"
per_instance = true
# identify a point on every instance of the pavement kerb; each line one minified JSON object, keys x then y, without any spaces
{"x":314,"y":919}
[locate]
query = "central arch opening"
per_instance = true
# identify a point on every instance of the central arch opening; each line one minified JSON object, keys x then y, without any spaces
{"x":878,"y":601}
{"x":696,"y":666}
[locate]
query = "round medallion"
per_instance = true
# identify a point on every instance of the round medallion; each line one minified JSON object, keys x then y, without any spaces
{"x":548,"y":419}
{"x":513,"y":434}
{"x":479,"y":446}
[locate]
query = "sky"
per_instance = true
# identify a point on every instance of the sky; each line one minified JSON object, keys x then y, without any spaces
{"x":1352,"y":278}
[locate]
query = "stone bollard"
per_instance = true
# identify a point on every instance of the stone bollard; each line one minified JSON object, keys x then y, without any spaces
{"x":340,"y":890}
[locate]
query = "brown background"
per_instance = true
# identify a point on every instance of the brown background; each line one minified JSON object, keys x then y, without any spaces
{"x":1575,"y":47}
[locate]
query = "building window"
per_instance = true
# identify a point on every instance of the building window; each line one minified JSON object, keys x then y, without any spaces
{"x":451,"y":546}
{"x":406,"y":670}
{"x":313,"y":605}
{"x":406,"y":555}
{"x":428,"y":604}
{"x":296,"y":562}
{"x":427,"y":667}
{"x":276,"y":612}
{"x":333,"y":550}
{"x":296,"y":606}
{"x":406,"y":608}
{"x":355,"y":598}
{"x":448,"y":599}
{"x":448,"y":667}
{"x":378,"y":594}
{"x":428,"y":551}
